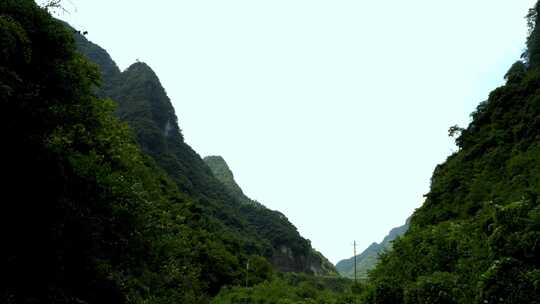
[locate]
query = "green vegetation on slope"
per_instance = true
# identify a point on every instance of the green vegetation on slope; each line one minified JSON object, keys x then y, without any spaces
{"x":88,"y":216}
{"x":144,"y":105}
{"x":273,"y":226}
{"x":223,"y":173}
{"x":368,"y":259}
{"x":476,"y":238}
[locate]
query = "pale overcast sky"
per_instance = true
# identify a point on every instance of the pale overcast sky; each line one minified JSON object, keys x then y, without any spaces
{"x":333,"y":112}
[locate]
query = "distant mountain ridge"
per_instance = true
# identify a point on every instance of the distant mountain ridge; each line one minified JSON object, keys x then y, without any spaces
{"x":144,"y":105}
{"x":368,"y":259}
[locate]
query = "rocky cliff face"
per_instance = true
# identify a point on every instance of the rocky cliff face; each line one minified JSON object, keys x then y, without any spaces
{"x":312,"y":261}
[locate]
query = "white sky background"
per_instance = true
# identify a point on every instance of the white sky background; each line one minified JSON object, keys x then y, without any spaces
{"x":333,"y":112}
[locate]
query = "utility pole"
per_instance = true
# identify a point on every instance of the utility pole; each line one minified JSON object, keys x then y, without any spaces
{"x":354,"y":262}
{"x":247,"y":272}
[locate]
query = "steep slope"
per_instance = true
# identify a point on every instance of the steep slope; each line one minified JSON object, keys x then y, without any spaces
{"x":109,"y":69}
{"x":273,"y":226}
{"x":223,"y":173}
{"x":476,"y":238}
{"x":86,"y":217}
{"x":368,"y":259}
{"x":145,"y":106}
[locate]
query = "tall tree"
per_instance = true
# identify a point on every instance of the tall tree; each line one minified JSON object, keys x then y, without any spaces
{"x":532,"y":55}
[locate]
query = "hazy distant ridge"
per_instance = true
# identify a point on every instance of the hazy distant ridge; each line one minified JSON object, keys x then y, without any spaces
{"x":367,"y":260}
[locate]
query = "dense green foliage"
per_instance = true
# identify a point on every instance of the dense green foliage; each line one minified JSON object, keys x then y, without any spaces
{"x":532,"y":55}
{"x":90,"y":218}
{"x":98,"y":209}
{"x":294,"y":289}
{"x":368,"y":259}
{"x":85,"y":211}
{"x":476,"y":238}
{"x":55,"y":227}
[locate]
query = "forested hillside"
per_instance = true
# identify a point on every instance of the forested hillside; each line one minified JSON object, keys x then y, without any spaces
{"x":145,"y":106}
{"x":109,"y":211}
{"x":87,"y":217}
{"x":223,"y":173}
{"x":476,"y":239}
{"x":272,"y":226}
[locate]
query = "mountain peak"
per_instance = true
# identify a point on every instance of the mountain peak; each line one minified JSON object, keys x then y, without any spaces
{"x":216,"y":158}
{"x":143,"y":71}
{"x":144,"y":105}
{"x":140,"y":65}
{"x":223,"y":173}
